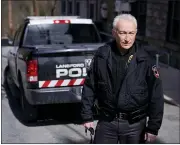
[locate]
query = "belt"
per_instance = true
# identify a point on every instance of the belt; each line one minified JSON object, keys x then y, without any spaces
{"x":132,"y":117}
{"x":121,"y":115}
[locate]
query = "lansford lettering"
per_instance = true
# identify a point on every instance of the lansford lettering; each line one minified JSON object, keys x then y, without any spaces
{"x":70,"y":65}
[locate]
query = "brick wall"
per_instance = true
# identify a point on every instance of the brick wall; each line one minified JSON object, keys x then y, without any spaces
{"x":156,"y":30}
{"x":156,"y":21}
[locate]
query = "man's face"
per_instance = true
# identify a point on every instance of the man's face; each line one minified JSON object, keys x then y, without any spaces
{"x":125,"y":33}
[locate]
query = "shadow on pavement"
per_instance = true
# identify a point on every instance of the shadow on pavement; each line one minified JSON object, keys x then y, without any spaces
{"x":72,"y":141}
{"x":55,"y":115}
{"x":87,"y":141}
{"x":158,"y":141}
{"x":49,"y":114}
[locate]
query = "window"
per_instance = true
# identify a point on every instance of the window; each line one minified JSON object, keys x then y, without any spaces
{"x":91,"y":11}
{"x":18,"y":36}
{"x":16,"y":42}
{"x":63,"y":7}
{"x":173,"y":28}
{"x":77,"y":8}
{"x":69,"y":7}
{"x":48,"y":34}
{"x":138,"y":9}
{"x":92,"y":8}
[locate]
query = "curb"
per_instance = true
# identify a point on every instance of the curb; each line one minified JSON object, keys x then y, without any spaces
{"x":169,"y":100}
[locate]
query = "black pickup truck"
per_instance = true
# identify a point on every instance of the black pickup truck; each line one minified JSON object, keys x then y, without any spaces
{"x":48,"y":60}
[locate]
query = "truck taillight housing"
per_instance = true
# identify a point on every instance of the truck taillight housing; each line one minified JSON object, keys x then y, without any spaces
{"x":61,"y":21}
{"x":32,"y":71}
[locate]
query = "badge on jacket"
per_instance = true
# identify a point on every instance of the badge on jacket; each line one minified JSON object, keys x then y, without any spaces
{"x":155,"y":71}
{"x":130,"y":57}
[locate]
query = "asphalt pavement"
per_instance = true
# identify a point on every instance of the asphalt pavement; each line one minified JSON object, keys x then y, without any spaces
{"x":60,"y":124}
{"x":48,"y":129}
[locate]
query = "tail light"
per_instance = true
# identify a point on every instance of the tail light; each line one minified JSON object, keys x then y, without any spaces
{"x":32,"y":71}
{"x":61,"y":21}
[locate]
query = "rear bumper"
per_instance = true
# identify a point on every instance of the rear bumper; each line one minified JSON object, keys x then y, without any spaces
{"x":54,"y":95}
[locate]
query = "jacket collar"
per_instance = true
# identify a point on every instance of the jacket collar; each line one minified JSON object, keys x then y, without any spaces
{"x":141,"y":53}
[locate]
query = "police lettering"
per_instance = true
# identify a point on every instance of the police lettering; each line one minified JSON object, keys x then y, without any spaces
{"x":72,"y":72}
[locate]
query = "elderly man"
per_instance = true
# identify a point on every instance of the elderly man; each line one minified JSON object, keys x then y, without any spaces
{"x":125,"y":82}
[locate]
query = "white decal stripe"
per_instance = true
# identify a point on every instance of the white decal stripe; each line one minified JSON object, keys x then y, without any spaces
{"x":41,"y":83}
{"x":52,"y":83}
{"x":51,"y":21}
{"x":81,"y":21}
{"x":65,"y":82}
{"x":78,"y":81}
{"x":36,"y":22}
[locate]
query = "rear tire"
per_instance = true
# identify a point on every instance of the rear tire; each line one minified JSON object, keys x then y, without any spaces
{"x":15,"y":94}
{"x":30,"y":112}
{"x":10,"y":87}
{"x":9,"y":83}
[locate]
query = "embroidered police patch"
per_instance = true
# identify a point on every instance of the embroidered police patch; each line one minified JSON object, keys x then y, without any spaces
{"x":155,"y":71}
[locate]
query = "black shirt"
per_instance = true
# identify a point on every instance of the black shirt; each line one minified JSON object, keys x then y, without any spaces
{"x":119,"y":67}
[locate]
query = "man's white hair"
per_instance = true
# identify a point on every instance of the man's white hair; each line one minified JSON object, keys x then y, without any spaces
{"x":128,"y":17}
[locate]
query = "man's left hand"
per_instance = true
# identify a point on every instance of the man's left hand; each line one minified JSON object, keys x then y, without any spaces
{"x":149,"y":137}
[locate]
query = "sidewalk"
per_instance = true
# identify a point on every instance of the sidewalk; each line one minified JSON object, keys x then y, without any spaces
{"x":169,"y":131}
{"x":171,"y":84}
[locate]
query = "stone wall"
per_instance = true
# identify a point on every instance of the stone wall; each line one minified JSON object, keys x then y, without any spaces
{"x":156,"y":22}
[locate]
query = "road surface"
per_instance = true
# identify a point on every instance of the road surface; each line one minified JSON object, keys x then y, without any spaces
{"x":56,"y":126}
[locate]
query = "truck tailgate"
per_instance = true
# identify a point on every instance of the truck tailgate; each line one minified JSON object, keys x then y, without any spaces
{"x":63,"y":66}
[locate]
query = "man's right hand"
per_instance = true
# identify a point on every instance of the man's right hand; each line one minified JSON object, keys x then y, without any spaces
{"x":88,"y":125}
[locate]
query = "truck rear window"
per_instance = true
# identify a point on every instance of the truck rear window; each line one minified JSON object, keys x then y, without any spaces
{"x":45,"y":34}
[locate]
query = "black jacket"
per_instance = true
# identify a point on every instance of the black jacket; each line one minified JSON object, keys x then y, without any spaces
{"x":140,"y":87}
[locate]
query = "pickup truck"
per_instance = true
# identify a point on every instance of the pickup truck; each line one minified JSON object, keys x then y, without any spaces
{"x":49,"y":59}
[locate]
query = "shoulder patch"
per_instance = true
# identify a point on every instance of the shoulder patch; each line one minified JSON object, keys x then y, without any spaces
{"x":155,"y":71}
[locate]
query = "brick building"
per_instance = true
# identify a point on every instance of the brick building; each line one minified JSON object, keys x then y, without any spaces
{"x":158,"y":20}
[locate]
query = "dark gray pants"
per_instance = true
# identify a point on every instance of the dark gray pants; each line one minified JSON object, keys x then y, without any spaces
{"x":119,"y":131}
